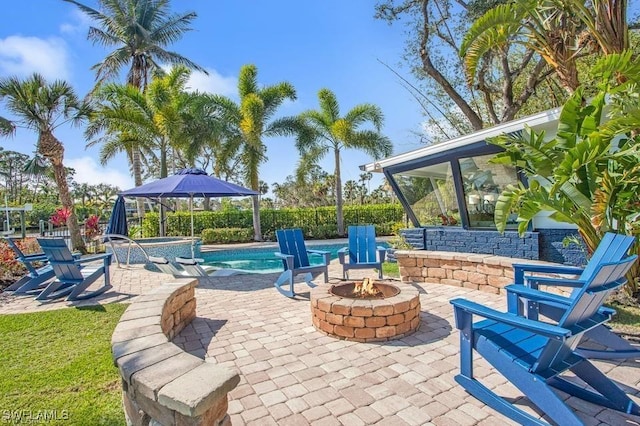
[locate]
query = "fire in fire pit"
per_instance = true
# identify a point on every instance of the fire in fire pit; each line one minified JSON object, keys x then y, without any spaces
{"x":365,"y":289}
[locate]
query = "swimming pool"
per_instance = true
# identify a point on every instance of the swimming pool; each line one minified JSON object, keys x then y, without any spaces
{"x":262,"y":260}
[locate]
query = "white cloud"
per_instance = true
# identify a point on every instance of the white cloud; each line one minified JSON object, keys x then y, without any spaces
{"x":213,"y":83}
{"x":79,"y":24}
{"x":23,"y":56}
{"x":89,"y":171}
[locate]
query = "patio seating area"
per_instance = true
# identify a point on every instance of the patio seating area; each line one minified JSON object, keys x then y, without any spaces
{"x":292,"y":374}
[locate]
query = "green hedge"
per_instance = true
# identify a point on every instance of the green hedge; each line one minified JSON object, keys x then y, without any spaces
{"x":318,"y":223}
{"x":227,"y":235}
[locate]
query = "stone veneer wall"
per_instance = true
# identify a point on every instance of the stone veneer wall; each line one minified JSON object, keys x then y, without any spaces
{"x":483,"y":272}
{"x":161,"y":383}
{"x":543,"y":244}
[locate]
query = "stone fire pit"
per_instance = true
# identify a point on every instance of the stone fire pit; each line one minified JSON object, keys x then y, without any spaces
{"x":366,"y":320}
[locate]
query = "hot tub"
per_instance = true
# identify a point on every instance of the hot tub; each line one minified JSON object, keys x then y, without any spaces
{"x":169,"y":247}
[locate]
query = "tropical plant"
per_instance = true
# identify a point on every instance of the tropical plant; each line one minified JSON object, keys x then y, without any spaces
{"x":250,"y":121}
{"x":127,"y":120}
{"x":43,"y":107}
{"x":560,"y":31}
{"x":60,"y":216}
{"x":140,"y":30}
{"x":589,"y":173}
{"x":325,"y":131}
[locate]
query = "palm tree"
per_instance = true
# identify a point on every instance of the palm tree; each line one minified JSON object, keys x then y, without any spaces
{"x":251,"y":121}
{"x":324,"y":131}
{"x":43,"y":107}
{"x":147,"y":121}
{"x":140,"y":30}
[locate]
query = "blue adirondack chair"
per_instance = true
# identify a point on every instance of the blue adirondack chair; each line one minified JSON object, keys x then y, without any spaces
{"x":612,"y":247}
{"x":295,"y":258}
{"x":36,"y":276}
{"x":362,"y":250}
{"x":72,"y":278}
{"x":532,"y":354}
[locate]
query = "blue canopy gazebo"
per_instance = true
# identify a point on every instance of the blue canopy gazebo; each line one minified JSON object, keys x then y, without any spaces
{"x":188,"y":183}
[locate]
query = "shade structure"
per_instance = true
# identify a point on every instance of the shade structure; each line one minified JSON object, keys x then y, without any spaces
{"x":118,"y":220}
{"x":188,"y":183}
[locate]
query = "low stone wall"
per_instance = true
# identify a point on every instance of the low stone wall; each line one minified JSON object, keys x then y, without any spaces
{"x":161,"y":383}
{"x":483,"y":272}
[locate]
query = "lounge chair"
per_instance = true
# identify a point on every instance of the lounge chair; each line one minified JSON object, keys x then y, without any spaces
{"x":363,"y":252}
{"x":72,"y":277}
{"x":295,"y":258}
{"x":36,"y":276}
{"x":193,"y":267}
{"x":532,"y":354}
{"x":188,"y":268}
{"x":613,"y":247}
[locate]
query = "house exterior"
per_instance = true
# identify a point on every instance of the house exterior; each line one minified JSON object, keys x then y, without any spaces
{"x":449,"y":191}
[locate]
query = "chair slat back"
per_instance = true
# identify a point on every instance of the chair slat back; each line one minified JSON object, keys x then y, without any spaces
{"x":61,"y":259}
{"x":362,"y":244}
{"x":21,"y":256}
{"x":612,"y":248}
{"x":291,"y":241}
{"x":588,"y":299}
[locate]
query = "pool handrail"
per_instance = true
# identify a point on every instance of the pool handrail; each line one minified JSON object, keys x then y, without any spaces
{"x":110,"y":237}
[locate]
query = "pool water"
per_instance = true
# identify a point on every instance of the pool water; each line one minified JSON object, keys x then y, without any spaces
{"x":262,"y":260}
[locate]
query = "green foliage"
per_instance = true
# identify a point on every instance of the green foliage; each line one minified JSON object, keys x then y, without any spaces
{"x":227,"y":235}
{"x":40,"y":212}
{"x":318,"y":223}
{"x":589,"y":173}
{"x":61,"y":360}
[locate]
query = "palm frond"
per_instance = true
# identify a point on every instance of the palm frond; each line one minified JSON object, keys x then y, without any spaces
{"x":364,"y":113}
{"x":329,"y":105}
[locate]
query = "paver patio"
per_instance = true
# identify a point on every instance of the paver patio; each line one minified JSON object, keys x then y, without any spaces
{"x":292,"y":374}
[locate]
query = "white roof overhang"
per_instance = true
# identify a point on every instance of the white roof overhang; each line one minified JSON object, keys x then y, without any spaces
{"x":541,"y":121}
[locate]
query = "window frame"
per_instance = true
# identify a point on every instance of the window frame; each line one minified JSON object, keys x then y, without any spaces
{"x":453,"y":157}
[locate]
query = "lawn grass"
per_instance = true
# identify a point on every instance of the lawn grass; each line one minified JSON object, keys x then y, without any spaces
{"x":626,"y":320}
{"x":60,"y":362}
{"x":390,"y":270}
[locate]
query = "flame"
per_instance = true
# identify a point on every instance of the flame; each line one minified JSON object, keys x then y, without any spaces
{"x":365,"y":288}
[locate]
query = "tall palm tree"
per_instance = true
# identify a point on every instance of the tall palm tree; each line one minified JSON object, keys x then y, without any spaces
{"x":140,"y":30}
{"x":326,"y":131}
{"x":43,"y":107}
{"x":150,"y":120}
{"x":252,"y":120}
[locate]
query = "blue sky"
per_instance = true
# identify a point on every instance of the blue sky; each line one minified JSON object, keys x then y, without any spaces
{"x":330,"y":43}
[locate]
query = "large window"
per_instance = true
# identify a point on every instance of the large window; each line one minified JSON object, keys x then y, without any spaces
{"x":430,"y":193}
{"x":483,"y":182}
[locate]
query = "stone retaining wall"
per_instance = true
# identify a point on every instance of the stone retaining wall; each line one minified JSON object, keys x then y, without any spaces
{"x":483,"y":272}
{"x":161,"y":383}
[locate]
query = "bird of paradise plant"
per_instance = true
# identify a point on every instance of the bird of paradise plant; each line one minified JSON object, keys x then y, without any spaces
{"x":589,"y":173}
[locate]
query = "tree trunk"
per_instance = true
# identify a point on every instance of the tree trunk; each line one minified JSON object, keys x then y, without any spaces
{"x":137,"y":177}
{"x":433,"y":72}
{"x":339,"y":215}
{"x":52,"y":149}
{"x":257,"y":232}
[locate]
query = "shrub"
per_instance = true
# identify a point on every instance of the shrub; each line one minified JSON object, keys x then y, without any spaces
{"x":227,"y":235}
{"x":10,"y":268}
